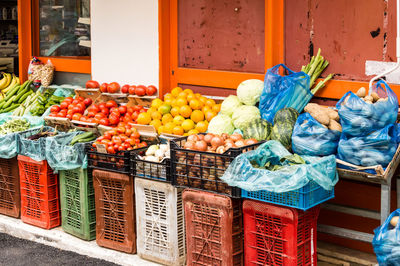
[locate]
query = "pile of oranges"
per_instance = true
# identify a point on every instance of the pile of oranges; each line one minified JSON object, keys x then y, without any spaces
{"x":182,"y":112}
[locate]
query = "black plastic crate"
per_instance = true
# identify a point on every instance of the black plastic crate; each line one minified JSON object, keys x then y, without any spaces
{"x":202,"y":170}
{"x":160,"y":171}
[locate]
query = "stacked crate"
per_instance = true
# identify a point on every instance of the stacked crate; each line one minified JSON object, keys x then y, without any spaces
{"x":10,"y":200}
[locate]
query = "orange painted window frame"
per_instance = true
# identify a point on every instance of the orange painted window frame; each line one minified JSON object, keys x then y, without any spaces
{"x":274,"y":54}
{"x":28,"y":26}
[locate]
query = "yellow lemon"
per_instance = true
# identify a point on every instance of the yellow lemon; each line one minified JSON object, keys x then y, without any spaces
{"x":167,"y":118}
{"x":188,"y":125}
{"x":193,"y":132}
{"x":164,"y":109}
{"x":156,"y":103}
{"x":156,"y":123}
{"x":156,"y":115}
{"x":178,"y":120}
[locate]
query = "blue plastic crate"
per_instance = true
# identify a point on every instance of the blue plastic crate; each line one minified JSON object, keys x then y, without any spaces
{"x":304,"y":198}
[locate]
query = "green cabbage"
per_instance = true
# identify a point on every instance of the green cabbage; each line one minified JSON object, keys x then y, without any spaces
{"x":230,"y":104}
{"x":249,"y":91}
{"x":244,"y":115}
{"x":221,"y":124}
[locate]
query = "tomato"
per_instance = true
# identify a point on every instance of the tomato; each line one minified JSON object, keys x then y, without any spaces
{"x":91,"y":114}
{"x":113,"y":132}
{"x":87,"y":101}
{"x":104,"y":87}
{"x":55,"y":109}
{"x":113,"y":87}
{"x":99,"y":116}
{"x":70,"y":112}
{"x":104,"y":122}
{"x":105,"y":141}
{"x":122,"y":109}
{"x":76,"y":116}
{"x":151,"y":90}
{"x":127,"y":118}
{"x":115,"y":113}
{"x":76,"y":109}
{"x":107,"y":135}
{"x":121,"y":147}
{"x":137,"y":141}
{"x":130,"y":109}
{"x":137,"y":108}
{"x":81,"y":105}
{"x":100,"y":138}
{"x":125,"y":89}
{"x":71,"y":106}
{"x":128,"y":132}
{"x":102,"y":105}
{"x":83,"y":119}
{"x":68,"y":100}
{"x":126,"y":146}
{"x":91,"y":84}
{"x":140,"y":90}
{"x":110,"y":149}
{"x":105,"y":111}
{"x":69,"y":116}
{"x":130,"y":141}
{"x":142,"y":144}
{"x":113,"y":119}
{"x":64,"y":111}
{"x":111,"y":103}
{"x":64,"y":105}
{"x":132,"y":90}
{"x":116,"y":140}
{"x":75,"y":101}
{"x":61,"y":114}
{"x":135,"y":116}
{"x":135,"y":135}
{"x":53,"y":115}
{"x":123,"y":137}
{"x":90,"y":120}
{"x":121,"y":130}
{"x":79,"y":98}
{"x":94,"y":144}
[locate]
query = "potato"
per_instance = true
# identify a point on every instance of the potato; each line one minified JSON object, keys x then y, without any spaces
{"x":311,"y":107}
{"x":321,"y":116}
{"x":361,"y":92}
{"x":368,"y":98}
{"x":382,"y":99}
{"x":370,"y":102}
{"x":332,"y":114}
{"x":333,"y":125}
{"x":325,"y":126}
{"x":375,"y":96}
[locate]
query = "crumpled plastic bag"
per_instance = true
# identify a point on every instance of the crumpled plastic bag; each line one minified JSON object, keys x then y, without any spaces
{"x":386,"y":242}
{"x":242,"y":174}
{"x":61,"y":156}
{"x":359,"y":118}
{"x":311,"y":138}
{"x":292,"y":90}
{"x":35,"y":149}
{"x":376,"y":148}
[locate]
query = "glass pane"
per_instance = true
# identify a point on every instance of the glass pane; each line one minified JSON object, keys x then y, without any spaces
{"x":64,"y":27}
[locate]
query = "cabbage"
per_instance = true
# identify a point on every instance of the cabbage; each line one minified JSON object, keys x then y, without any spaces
{"x":244,"y":115}
{"x":221,"y":124}
{"x":249,"y":91}
{"x":230,"y":104}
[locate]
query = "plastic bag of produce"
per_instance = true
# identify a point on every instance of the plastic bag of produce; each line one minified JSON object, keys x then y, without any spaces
{"x":291,"y":90}
{"x":358,"y":117}
{"x":376,"y":148}
{"x":61,"y":156}
{"x":289,"y":171}
{"x":312,"y":138}
{"x":35,"y":149}
{"x":386,"y":241}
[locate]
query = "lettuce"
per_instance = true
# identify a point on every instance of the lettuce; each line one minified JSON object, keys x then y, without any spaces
{"x":249,"y":91}
{"x":221,"y":124}
{"x":244,"y":115}
{"x":230,"y":104}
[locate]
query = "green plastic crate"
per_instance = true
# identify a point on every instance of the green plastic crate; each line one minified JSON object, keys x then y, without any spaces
{"x":78,"y":214}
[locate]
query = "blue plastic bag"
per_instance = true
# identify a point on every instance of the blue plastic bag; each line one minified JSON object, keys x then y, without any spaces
{"x":386,"y":242}
{"x":292,"y":90}
{"x":358,"y":118}
{"x":311,"y":138}
{"x":376,"y":148}
{"x":241,"y":173}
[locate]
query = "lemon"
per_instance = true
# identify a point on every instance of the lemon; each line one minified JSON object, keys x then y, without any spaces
{"x":188,"y":125}
{"x":178,"y":120}
{"x":156,"y":103}
{"x":164,"y":109}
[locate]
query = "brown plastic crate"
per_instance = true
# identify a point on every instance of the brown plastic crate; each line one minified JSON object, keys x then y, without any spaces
{"x":214,"y":229}
{"x":10,"y":199}
{"x":115,"y":211}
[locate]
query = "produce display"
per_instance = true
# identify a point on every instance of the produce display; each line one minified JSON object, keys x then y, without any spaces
{"x":284,"y":121}
{"x":328,"y":117}
{"x":156,"y":153}
{"x":14,"y":125}
{"x":181,"y":113}
{"x":114,"y":87}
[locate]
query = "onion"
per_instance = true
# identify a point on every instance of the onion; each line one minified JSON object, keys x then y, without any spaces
{"x":210,"y":149}
{"x":217,"y":141}
{"x":230,"y":145}
{"x":236,"y":136}
{"x":201,"y":137}
{"x":200,"y":145}
{"x":189,"y":145}
{"x":250,"y":141}
{"x":225,"y":136}
{"x":193,"y":138}
{"x":220,"y":149}
{"x":208,"y":138}
{"x":229,"y":141}
{"x":239,"y":143}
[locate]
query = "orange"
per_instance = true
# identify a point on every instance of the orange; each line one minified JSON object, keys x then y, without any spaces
{"x":197,"y":95}
{"x":195,"y":104}
{"x":160,"y":130}
{"x":168,"y":96}
{"x":216,"y":108}
{"x":164,"y":109}
{"x":201,"y":126}
{"x":156,"y":115}
{"x":151,"y":110}
{"x":193,"y":132}
{"x":169,"y":100}
{"x":210,"y":115}
{"x":167,"y":118}
{"x":197,"y":116}
{"x":178,"y":120}
{"x":173,"y":102}
{"x":156,"y":103}
{"x":210,"y":102}
{"x":181,"y":101}
{"x":178,"y":130}
{"x":156,"y":123}
{"x":187,"y":125}
{"x":203,"y":100}
{"x":174,"y":111}
{"x":144,"y":118}
{"x":176,"y":91}
{"x":185,"y":111}
{"x":190,"y":97}
{"x":188,"y":91}
{"x":168,"y":127}
{"x":183,"y":95}
{"x":206,"y":108}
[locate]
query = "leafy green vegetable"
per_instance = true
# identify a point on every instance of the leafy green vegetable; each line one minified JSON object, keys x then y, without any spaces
{"x":249,"y":91}
{"x":221,"y":124}
{"x":14,"y":125}
{"x":245,"y":115}
{"x":230,"y":104}
{"x":293,"y":159}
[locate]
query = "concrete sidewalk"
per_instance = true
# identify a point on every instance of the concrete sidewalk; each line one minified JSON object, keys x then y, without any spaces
{"x":59,"y":239}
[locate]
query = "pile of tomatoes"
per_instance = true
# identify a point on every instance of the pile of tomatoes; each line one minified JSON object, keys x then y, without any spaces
{"x":122,"y":138}
{"x":71,"y":108}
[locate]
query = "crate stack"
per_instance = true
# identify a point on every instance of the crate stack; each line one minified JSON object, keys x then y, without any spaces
{"x":10,"y":201}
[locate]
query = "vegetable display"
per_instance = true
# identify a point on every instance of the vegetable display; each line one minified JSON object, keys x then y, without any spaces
{"x":14,"y":125}
{"x":15,"y":97}
{"x":83,"y":138}
{"x":328,"y":117}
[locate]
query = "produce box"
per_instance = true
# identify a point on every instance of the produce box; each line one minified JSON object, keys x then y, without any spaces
{"x":202,"y":170}
{"x":144,"y":101}
{"x":61,"y":123}
{"x":10,"y":200}
{"x":88,"y":93}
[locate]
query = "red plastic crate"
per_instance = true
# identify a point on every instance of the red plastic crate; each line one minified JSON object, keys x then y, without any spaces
{"x":276,"y":235}
{"x":214,"y":229}
{"x":10,"y":199}
{"x":40,"y":201}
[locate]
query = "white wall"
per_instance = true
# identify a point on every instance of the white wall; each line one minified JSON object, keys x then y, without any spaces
{"x":125,"y":46}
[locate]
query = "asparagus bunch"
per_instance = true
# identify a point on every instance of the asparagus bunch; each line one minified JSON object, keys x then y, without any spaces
{"x":314,"y":69}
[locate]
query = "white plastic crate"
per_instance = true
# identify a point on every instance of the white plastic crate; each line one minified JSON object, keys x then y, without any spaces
{"x":160,"y":222}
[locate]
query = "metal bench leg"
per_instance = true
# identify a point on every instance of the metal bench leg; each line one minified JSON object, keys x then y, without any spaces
{"x":385,"y":202}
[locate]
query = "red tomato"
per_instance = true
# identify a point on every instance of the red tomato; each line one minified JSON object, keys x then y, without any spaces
{"x":90,"y":120}
{"x":126,"y":146}
{"x":70,"y":112}
{"x":137,"y":108}
{"x":87,"y":101}
{"x":81,"y":105}
{"x":130,"y":141}
{"x":142,"y":144}
{"x":104,"y":122}
{"x":110,"y":149}
{"x":130,"y":110}
{"x":75,"y":101}
{"x":121,"y":130}
{"x":79,"y":98}
{"x":64,"y":105}
{"x":94,"y":144}
{"x":91,"y":84}
{"x":76,"y":116}
{"x":61,"y":114}
{"x":113,"y":119}
{"x":121,"y":147}
{"x":113,"y":132}
{"x":105,"y":111}
{"x":116,"y":140}
{"x":122,"y":109}
{"x":116,"y":146}
{"x":132,"y":90}
{"x":102,"y":105}
{"x":55,"y":109}
{"x":140,"y":90}
{"x":135,"y":116}
{"x":95,"y":120}
{"x":113,"y":87}
{"x":107,"y":135}
{"x":104,"y":87}
{"x":128,"y":132}
{"x":91,"y":114}
{"x":135,"y":135}
{"x":137,"y":141}
{"x":115,"y":113}
{"x":123,"y":138}
{"x":111,"y":103}
{"x":71,"y":106}
{"x":95,"y":108}
{"x":127,"y":118}
{"x":151,"y":90}
{"x":68,"y":100}
{"x":64,"y":111}
{"x":99,"y":116}
{"x":53,"y":115}
{"x":69,"y":116}
{"x":100,"y":138}
{"x":76,"y":109}
{"x":125,"y":89}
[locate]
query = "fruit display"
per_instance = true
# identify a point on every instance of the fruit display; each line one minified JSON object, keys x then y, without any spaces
{"x":70,"y":108}
{"x":115,"y":87}
{"x":7,"y":82}
{"x":284,"y":121}
{"x":328,"y":117}
{"x":182,"y":112}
